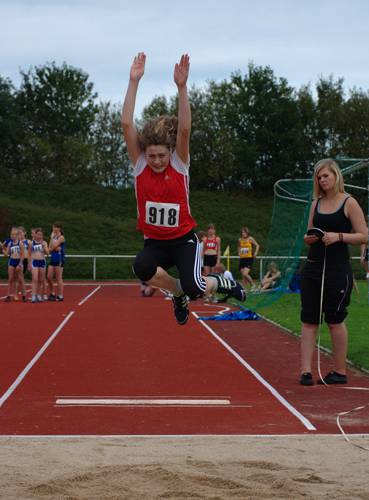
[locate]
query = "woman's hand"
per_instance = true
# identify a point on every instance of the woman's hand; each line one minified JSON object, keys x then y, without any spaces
{"x":330,"y":238}
{"x":310,"y":239}
{"x":138,"y":67}
{"x":181,"y":71}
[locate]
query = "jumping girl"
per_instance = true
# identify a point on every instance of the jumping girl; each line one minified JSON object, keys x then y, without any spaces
{"x":248,"y":248}
{"x":38,"y":251}
{"x":56,"y":264}
{"x":160,"y":156}
{"x":342,"y":221}
{"x":211,"y":250}
{"x":13,"y":249}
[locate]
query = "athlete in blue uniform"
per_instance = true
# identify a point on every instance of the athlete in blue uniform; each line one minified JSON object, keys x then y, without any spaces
{"x":26,"y":265}
{"x":38,"y":250}
{"x":15,"y":252}
{"x":56,"y":264}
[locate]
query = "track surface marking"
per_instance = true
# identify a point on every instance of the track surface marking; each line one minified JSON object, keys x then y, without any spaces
{"x":121,"y":345}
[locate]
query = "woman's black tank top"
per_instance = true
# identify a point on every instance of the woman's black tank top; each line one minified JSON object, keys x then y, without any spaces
{"x":337,"y":254}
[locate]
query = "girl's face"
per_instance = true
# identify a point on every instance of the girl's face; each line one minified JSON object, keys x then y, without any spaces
{"x":244,"y":234}
{"x":326,"y":179}
{"x":211,"y":232}
{"x":56,"y":230}
{"x":157,"y":157}
{"x":22,"y":234}
{"x":14,"y":234}
{"x":38,"y":236}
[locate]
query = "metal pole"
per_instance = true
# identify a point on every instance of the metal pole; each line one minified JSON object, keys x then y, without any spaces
{"x":94,"y":269}
{"x":261,"y":268}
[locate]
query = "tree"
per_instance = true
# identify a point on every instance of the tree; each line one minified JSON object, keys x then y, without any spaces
{"x":58,"y":109}
{"x":110,"y":163}
{"x":11,"y":129}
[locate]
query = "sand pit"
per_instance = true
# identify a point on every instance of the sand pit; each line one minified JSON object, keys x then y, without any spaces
{"x":188,"y":467}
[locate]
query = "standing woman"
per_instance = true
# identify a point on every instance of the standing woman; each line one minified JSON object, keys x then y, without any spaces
{"x":26,"y":264}
{"x":56,"y":264}
{"x":248,"y":248}
{"x":211,"y":250}
{"x":13,"y":249}
{"x":160,"y":157}
{"x":341,"y":219}
{"x":38,"y":250}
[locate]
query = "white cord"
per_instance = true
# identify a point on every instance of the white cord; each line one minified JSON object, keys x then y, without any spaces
{"x":321,"y":314}
{"x":342,"y":413}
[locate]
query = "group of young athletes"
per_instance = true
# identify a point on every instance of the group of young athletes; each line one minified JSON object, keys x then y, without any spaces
{"x":44,"y":261}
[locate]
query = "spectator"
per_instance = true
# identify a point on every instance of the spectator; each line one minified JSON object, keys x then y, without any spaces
{"x":271,"y":278}
{"x":211,"y":250}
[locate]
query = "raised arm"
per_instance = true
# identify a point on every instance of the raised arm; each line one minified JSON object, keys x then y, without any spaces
{"x":181,"y":72}
{"x":129,"y":128}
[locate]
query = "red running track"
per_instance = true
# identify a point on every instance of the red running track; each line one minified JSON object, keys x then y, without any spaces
{"x":120,"y":345}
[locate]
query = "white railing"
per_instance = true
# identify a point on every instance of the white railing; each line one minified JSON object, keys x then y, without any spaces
{"x":261,"y":258}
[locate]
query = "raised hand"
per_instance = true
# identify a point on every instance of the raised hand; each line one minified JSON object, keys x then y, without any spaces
{"x":181,"y":71}
{"x":138,"y":67}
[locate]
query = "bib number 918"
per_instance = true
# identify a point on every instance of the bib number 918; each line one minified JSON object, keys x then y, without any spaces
{"x":162,"y":214}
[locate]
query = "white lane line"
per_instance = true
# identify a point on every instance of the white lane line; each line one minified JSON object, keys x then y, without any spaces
{"x":34,"y":360}
{"x":140,"y":402}
{"x":257,"y":375}
{"x":158,"y":437}
{"x":89,"y":295}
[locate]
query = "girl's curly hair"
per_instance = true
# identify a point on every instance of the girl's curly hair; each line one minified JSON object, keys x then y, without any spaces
{"x":160,"y":131}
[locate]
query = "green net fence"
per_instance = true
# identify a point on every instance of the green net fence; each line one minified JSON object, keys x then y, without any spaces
{"x":285,"y":246}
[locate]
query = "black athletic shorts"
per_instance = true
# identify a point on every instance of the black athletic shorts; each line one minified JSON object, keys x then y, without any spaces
{"x":210,"y":260}
{"x":25,"y":266}
{"x":366,"y":254}
{"x":246,"y":262}
{"x":183,"y":253}
{"x":336,"y":295}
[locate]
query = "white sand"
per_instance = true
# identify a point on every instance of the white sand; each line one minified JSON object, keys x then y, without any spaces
{"x":189,"y":467}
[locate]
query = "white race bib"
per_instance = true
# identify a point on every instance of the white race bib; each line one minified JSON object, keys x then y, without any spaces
{"x":162,"y":214}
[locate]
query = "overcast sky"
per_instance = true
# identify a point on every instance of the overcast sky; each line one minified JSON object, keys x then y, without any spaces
{"x":299,"y":39}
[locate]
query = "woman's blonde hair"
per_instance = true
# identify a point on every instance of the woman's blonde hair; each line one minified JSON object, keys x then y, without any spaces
{"x":161,"y":131}
{"x":339,"y":186}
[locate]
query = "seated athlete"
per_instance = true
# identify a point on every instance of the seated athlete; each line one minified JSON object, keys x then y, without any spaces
{"x":56,"y":264}
{"x":38,"y":250}
{"x":248,"y":248}
{"x":271,"y":278}
{"x":160,"y":158}
{"x":211,"y":250}
{"x":13,"y":249}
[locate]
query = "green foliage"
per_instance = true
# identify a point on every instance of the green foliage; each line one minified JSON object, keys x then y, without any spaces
{"x":248,"y":130}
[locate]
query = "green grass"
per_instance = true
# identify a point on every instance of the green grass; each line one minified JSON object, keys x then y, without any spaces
{"x":286,"y":312}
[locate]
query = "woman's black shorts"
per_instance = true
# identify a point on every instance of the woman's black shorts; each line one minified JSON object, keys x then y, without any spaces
{"x":184,"y":253}
{"x":210,"y":260}
{"x":336,"y":295}
{"x":246,"y":262}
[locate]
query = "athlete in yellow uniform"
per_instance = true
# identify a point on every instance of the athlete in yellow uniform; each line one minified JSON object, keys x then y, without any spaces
{"x":248,"y":248}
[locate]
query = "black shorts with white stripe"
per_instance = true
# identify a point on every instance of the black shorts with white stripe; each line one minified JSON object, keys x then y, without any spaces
{"x":182,"y":253}
{"x":336,"y":296}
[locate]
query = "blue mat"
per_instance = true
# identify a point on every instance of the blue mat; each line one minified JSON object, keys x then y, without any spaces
{"x":243,"y":314}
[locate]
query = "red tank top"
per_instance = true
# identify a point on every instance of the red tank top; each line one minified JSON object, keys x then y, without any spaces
{"x":163,"y":210}
{"x":211,"y":244}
